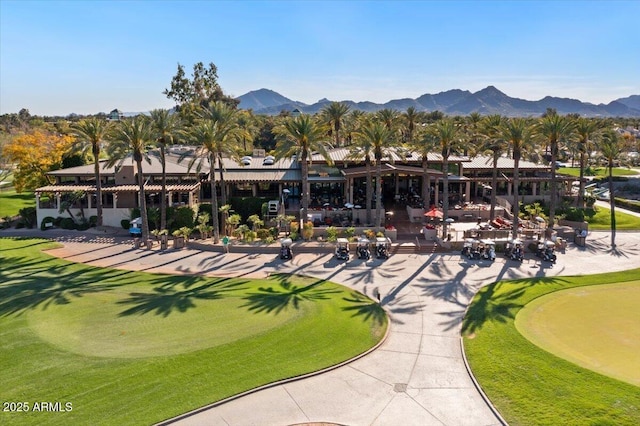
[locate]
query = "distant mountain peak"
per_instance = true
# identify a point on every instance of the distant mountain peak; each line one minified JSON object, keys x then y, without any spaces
{"x":489,"y":100}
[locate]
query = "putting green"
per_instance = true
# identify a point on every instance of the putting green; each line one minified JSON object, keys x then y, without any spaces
{"x":596,"y":327}
{"x":137,"y":321}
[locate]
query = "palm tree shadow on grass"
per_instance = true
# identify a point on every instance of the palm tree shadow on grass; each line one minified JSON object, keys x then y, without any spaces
{"x":367,"y":309}
{"x":489,"y":307}
{"x":286,"y":294}
{"x":177,"y":294}
{"x":27,"y":284}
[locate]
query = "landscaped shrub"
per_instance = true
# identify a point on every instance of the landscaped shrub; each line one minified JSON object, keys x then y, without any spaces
{"x":332,"y":234}
{"x":68,"y":223}
{"x":307,"y":230}
{"x":47,"y":223}
{"x":250,"y":236}
{"x":205,"y":208}
{"x":274,"y":231}
{"x":369,"y":233}
{"x":350,"y":232}
{"x":82,"y":226}
{"x":28,"y":216}
{"x":125,"y":223}
{"x":135,"y":212}
{"x":93,"y":221}
{"x":58,"y":220}
{"x":263,"y":234}
{"x":183,"y":217}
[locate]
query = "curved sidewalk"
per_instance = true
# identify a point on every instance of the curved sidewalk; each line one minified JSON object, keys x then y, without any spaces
{"x":418,"y":375}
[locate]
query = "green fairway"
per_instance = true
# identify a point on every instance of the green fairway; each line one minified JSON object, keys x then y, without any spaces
{"x":528,"y":385}
{"x":11,"y":202}
{"x":135,"y":348}
{"x":601,"y":221}
{"x":597,"y":327}
{"x":596,"y":171}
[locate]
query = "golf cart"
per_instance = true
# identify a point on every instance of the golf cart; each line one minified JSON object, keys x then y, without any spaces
{"x":342,"y":249}
{"x":363,"y":249}
{"x":135,"y":227}
{"x":513,"y":250}
{"x":489,"y":250}
{"x":382,"y":247}
{"x":285,"y":249}
{"x":548,"y":253}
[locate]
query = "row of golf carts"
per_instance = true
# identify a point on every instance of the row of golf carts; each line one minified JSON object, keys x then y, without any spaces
{"x":363,"y":248}
{"x":486,"y":249}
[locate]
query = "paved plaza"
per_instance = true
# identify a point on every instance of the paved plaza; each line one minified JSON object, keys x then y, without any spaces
{"x":417,"y":376}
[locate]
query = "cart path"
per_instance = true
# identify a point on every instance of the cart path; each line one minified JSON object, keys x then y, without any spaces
{"x":417,"y":376}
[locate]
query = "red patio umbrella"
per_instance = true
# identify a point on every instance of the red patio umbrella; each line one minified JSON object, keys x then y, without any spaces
{"x":434,"y":213}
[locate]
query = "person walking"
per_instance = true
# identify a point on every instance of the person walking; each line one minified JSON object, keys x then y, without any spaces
{"x":225,"y":244}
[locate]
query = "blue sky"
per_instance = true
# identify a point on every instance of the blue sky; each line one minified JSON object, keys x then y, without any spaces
{"x":90,"y":56}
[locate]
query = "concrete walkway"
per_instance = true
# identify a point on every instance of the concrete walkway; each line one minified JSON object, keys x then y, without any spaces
{"x":417,"y":376}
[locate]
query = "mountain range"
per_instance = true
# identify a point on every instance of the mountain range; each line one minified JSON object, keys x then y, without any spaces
{"x":452,"y":102}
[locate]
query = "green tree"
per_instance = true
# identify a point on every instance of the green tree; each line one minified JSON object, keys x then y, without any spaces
{"x":166,"y":127}
{"x":554,"y":129}
{"x":205,"y":135}
{"x":424,"y":144}
{"x":229,"y":136}
{"x":448,"y":138}
{"x":375,"y":136}
{"x":131,"y":138}
{"x":200,"y":90}
{"x":494,"y":144}
{"x":411,"y":117}
{"x":302,"y":136}
{"x":585,"y":129}
{"x":611,"y":147}
{"x":90,"y":134}
{"x":517,"y":132}
{"x":334,"y":115}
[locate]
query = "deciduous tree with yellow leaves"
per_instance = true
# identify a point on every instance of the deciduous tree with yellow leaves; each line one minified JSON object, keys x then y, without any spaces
{"x":34,"y":154}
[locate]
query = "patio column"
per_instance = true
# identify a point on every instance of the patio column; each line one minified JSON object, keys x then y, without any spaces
{"x":509,"y":186}
{"x":88,"y":195}
{"x":350,"y":185}
{"x":534,"y":188}
{"x":58,"y":201}
{"x":190,"y":199}
{"x":115,"y":200}
{"x":467,"y":191}
{"x":254,"y":190}
{"x":38,"y":200}
{"x":397,"y":178}
{"x":437,"y":192}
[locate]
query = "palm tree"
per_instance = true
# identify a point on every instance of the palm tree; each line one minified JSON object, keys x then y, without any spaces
{"x":205,"y":135}
{"x":131,"y":140}
{"x":496,"y":145}
{"x":518,"y":134}
{"x":447,"y":137}
{"x":611,"y":147}
{"x":334,"y":115}
{"x":424,"y":144}
{"x":381,"y":139}
{"x":411,"y":117}
{"x":166,"y":127}
{"x":585,"y":129}
{"x":474,"y":120}
{"x":229,"y":133}
{"x":90,"y":134}
{"x":554,"y":129}
{"x":302,"y":136}
{"x":389,"y":117}
{"x":362,"y":149}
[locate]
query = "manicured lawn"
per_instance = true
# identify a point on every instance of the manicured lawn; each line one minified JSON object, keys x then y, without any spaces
{"x":135,"y":348}
{"x":597,"y":171}
{"x":606,"y":338}
{"x":11,"y":202}
{"x":528,"y":385}
{"x":601,"y":221}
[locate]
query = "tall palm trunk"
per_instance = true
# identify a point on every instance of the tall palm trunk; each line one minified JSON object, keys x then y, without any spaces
{"x":554,"y":185}
{"x":425,"y":181}
{"x":304,"y":191}
{"x":163,"y":191}
{"x":223,"y":188}
{"x":96,"y":170}
{"x":516,"y":195}
{"x":581,"y":188}
{"x":214,"y":199}
{"x":142,"y":199}
{"x":612,"y":206}
{"x":445,"y":194}
{"x":494,"y":183}
{"x":378,"y":192}
{"x":369,"y":189}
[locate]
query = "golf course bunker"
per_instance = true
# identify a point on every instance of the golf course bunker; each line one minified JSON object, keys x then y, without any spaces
{"x":596,"y":327}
